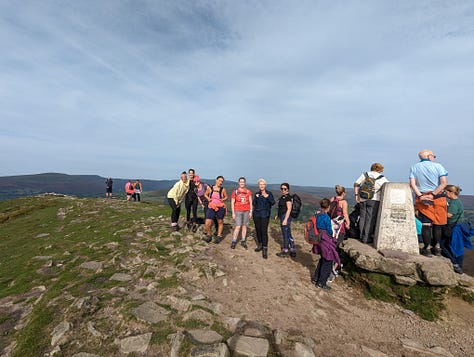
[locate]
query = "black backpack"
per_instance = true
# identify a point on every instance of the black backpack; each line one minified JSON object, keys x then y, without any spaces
{"x":296,"y":206}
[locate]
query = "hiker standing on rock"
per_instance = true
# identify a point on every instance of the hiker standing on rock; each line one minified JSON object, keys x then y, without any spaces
{"x":216,"y":195}
{"x":285,"y":204}
{"x":427,"y":181}
{"x":175,"y":197}
{"x":262,"y":206}
{"x":366,"y":190}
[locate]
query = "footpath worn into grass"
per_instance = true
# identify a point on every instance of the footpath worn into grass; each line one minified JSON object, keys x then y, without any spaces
{"x":107,"y":277}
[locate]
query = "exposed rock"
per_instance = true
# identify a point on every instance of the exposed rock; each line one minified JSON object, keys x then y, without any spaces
{"x":204,"y":336}
{"x":178,"y":303}
{"x":440,"y":351}
{"x":43,"y":257}
{"x":280,"y":336}
{"x":199,"y":315}
{"x":406,"y":268}
{"x":137,"y":343}
{"x":150,"y":312}
{"x":92,"y":330}
{"x":176,"y":340}
{"x":216,"y":350}
{"x":121,"y":277}
{"x":59,"y":332}
{"x":372,"y":353}
{"x":303,"y":350}
{"x":42,"y":235}
{"x":438,"y":272}
{"x":232,"y":323}
{"x":92,"y":265}
{"x":405,"y":280}
{"x":85,"y":354}
{"x":248,"y":346}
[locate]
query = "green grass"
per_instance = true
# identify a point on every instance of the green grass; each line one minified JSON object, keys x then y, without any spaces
{"x":81,"y":236}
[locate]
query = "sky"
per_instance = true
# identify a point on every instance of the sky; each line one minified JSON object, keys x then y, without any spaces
{"x":306,"y":92}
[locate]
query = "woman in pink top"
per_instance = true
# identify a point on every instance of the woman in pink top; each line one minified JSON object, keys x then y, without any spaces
{"x":216,"y":195}
{"x":129,"y":189}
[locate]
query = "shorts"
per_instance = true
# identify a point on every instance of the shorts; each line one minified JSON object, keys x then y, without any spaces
{"x":241,"y":218}
{"x":108,"y":189}
{"x":219,"y":214}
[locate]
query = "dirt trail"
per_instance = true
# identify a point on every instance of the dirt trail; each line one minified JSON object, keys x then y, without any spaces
{"x":278,"y":292}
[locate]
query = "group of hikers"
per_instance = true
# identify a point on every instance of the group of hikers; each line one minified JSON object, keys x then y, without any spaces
{"x":442,"y":228}
{"x":133,"y":190}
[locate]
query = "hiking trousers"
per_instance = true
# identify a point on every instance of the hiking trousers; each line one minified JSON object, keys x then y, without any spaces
{"x":323,"y":270}
{"x":288,"y":241}
{"x":261,"y":227}
{"x":368,"y":219}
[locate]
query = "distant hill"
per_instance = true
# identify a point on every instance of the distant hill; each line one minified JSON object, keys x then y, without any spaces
{"x":94,"y":186}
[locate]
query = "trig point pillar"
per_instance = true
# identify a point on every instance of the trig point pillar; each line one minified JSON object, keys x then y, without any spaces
{"x":396,"y":228}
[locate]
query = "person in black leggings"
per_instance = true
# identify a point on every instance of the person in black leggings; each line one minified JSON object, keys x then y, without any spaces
{"x":262,"y":205}
{"x":191,"y":201}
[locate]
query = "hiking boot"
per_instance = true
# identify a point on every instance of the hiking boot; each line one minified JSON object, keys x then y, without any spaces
{"x":426,"y":253}
{"x":457,"y":269}
{"x":293,"y":253}
{"x":283,"y":254}
{"x":174,"y":228}
{"x":324,"y":287}
{"x":218,"y":240}
{"x":315,"y":282}
{"x":188,"y":225}
{"x":436,"y":251}
{"x":259,"y":248}
{"x":244,"y":244}
{"x":264,"y":253}
{"x":207,"y":239}
{"x":195,"y":228}
{"x":233,"y":244}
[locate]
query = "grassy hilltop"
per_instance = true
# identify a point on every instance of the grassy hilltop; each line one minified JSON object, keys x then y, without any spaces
{"x":86,"y":274}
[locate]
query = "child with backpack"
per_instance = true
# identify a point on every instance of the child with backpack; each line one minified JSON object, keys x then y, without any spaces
{"x":326,"y":248}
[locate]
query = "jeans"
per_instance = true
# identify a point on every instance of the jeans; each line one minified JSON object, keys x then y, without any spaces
{"x":175,"y":210}
{"x":288,"y":241}
{"x":368,"y":218}
{"x":261,"y":227}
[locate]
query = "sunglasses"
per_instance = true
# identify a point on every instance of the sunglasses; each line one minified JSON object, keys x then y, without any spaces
{"x":284,"y":188}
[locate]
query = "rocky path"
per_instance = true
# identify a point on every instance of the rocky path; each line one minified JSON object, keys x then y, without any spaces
{"x":144,"y":291}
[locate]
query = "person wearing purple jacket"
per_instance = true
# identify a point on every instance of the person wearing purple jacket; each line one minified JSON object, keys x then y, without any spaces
{"x":326,"y":249}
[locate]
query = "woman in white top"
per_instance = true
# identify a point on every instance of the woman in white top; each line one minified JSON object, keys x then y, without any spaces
{"x":175,"y":197}
{"x":369,"y":203}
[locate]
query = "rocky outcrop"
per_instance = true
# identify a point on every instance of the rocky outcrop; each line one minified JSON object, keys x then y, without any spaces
{"x":407,"y":269}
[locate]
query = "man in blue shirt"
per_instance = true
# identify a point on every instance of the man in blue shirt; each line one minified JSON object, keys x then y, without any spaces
{"x":427,"y":181}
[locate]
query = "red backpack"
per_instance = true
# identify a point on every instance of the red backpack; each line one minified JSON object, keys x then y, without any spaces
{"x":311,"y":233}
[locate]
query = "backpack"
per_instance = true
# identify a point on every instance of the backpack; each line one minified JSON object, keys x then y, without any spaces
{"x":334,"y":209}
{"x":367,"y":188}
{"x":212,"y":191}
{"x":295,"y":206}
{"x":311,"y":233}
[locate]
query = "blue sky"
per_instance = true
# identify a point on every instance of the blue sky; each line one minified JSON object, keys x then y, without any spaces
{"x":308,"y":92}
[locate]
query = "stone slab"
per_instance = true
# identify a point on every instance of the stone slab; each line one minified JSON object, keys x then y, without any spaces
{"x":396,"y":227}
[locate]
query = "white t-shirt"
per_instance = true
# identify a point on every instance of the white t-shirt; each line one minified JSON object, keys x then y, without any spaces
{"x":378,"y":183}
